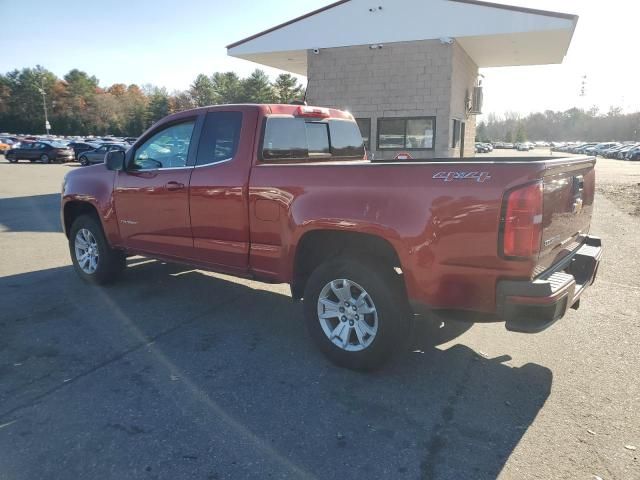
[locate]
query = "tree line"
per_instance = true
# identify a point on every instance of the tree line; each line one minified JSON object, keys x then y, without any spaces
{"x":78,"y":105}
{"x":574,"y":124}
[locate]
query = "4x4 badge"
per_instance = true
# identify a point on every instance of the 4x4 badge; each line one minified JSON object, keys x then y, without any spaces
{"x":451,"y":176}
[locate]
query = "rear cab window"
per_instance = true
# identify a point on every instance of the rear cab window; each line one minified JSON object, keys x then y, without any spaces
{"x":289,"y":139}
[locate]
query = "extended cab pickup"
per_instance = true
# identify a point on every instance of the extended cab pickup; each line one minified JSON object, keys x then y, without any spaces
{"x":285,"y":194}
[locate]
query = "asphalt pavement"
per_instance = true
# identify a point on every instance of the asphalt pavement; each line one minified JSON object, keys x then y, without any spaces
{"x":176,"y":373}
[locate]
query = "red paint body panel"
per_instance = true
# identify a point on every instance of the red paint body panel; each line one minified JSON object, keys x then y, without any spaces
{"x":246,"y":217}
{"x":152,"y":218}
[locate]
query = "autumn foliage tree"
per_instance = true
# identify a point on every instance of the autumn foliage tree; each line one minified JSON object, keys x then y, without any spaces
{"x":78,"y":105}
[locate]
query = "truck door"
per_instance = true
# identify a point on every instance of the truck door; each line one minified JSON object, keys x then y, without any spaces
{"x":219,"y":188}
{"x":152,"y":195}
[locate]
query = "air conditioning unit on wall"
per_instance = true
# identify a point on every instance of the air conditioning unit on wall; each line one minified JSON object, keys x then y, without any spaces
{"x":474,"y":101}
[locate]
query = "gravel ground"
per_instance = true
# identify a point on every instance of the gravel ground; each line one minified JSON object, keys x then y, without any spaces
{"x":177,"y":373}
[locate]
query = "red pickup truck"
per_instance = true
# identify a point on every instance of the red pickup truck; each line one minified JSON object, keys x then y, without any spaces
{"x":285,"y":194}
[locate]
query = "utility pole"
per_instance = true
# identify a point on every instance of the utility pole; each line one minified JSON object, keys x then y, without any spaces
{"x":47,"y":126}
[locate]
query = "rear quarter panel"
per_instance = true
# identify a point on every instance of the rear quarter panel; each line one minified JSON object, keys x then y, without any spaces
{"x":445,"y":233}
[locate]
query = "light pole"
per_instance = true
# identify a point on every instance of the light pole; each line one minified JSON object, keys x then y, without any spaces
{"x":47,"y":126}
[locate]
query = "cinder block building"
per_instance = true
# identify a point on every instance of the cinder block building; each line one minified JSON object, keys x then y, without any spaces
{"x":408,"y":70}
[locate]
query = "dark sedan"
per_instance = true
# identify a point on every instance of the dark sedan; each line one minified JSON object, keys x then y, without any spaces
{"x":45,"y":152}
{"x":90,"y":157}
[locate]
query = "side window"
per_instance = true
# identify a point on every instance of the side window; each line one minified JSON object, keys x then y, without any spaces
{"x":219,"y":138}
{"x":102,"y":150}
{"x":167,"y":148}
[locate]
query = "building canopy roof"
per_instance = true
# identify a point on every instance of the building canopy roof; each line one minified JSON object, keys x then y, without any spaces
{"x":494,"y":35}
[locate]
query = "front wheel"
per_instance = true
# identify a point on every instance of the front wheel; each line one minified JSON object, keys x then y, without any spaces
{"x":44,"y":158}
{"x":355,"y":313}
{"x":93,"y":259}
{"x":83,"y":161}
{"x":12,"y":159}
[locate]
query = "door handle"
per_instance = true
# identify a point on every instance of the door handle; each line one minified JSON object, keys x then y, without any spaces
{"x":173,"y":186}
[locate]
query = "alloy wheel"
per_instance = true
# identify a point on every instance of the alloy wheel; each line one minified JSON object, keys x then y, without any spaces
{"x":347,"y":315}
{"x":86,"y":249}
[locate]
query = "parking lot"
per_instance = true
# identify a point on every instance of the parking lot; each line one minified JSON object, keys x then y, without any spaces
{"x":178,"y":373}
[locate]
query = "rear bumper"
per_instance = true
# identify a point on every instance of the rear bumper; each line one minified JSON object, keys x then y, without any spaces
{"x":532,"y":306}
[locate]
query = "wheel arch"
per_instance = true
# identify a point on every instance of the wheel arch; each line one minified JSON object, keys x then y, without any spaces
{"x":317,"y":246}
{"x":74,"y":209}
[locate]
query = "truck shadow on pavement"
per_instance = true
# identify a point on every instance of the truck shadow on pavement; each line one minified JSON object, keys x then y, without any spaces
{"x":174,"y":373}
{"x":35,"y":213}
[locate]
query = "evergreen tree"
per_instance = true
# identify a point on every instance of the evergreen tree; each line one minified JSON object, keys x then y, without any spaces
{"x":202,"y":92}
{"x":227,"y":87}
{"x":159,"y":105}
{"x":286,"y":89}
{"x":257,"y":88}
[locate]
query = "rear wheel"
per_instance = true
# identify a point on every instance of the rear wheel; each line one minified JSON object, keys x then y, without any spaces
{"x":12,"y":159}
{"x":355,"y":313}
{"x":44,"y":158}
{"x":93,"y":259}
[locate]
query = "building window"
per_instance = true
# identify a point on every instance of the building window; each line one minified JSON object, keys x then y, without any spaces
{"x":455,"y":138}
{"x":365,"y":130}
{"x":413,"y":133}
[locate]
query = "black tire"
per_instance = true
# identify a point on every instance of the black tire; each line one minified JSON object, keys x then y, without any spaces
{"x":83,"y":161}
{"x":384,"y":290}
{"x":110,"y":262}
{"x":12,"y":159}
{"x":44,"y":158}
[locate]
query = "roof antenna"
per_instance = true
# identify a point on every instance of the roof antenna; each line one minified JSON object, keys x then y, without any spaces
{"x":304,"y":99}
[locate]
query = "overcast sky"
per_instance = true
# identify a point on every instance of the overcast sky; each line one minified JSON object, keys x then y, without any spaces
{"x":167,"y":43}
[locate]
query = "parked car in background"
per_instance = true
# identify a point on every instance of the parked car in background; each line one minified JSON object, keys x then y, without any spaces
{"x":482,"y":148}
{"x":633,"y":154}
{"x":611,"y":151}
{"x":45,"y":152}
{"x":524,"y":146}
{"x":130,"y":140}
{"x":4,"y":147}
{"x":12,"y":141}
{"x":81,"y":147}
{"x":622,"y":153}
{"x":599,"y":148}
{"x":89,"y":157}
{"x":582,"y":148}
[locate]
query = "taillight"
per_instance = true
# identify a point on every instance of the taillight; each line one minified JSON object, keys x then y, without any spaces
{"x":522,"y":222}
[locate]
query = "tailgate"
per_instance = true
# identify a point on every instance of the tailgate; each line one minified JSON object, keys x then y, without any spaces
{"x":569,"y":188}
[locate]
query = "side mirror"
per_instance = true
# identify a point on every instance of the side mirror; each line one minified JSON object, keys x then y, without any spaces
{"x":115,"y":160}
